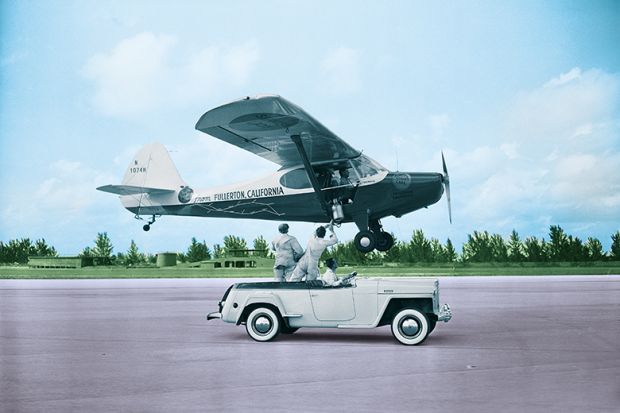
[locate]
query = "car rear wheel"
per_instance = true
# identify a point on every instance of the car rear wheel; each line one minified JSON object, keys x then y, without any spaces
{"x":410,"y":326}
{"x":263,"y":324}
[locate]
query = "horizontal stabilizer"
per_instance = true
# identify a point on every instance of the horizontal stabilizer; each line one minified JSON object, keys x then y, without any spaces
{"x":132,"y":190}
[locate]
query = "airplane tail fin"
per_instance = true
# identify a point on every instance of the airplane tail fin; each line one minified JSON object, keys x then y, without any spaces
{"x":151,"y":171}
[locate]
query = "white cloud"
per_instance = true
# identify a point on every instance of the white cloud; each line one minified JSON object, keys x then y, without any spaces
{"x":340,"y":72}
{"x":573,"y":74}
{"x":562,"y":108}
{"x":510,"y":149}
{"x":147,"y":71}
{"x":559,"y":156}
{"x":132,"y":78}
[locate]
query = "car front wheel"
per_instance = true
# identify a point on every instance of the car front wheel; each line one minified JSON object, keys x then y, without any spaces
{"x":410,"y":326}
{"x":263,"y":324}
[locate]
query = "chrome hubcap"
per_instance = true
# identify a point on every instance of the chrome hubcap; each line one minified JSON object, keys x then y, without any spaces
{"x":262,"y":324}
{"x":410,"y":327}
{"x":365,"y":242}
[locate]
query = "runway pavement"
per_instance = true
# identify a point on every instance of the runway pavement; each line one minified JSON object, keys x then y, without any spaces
{"x":515,"y":344}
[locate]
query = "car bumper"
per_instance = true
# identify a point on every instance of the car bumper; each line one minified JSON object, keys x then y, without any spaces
{"x":215,"y":315}
{"x":445,"y":313}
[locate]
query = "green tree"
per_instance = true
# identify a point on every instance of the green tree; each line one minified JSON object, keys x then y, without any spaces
{"x":86,"y":252}
{"x":198,"y":251}
{"x":595,"y":249}
{"x":515,"y":248}
{"x":17,"y":251}
{"x":451,"y":255}
{"x":103,"y":246}
{"x":499,"y":250}
{"x":559,"y":246}
{"x":261,"y":246}
{"x":234,"y":246}
{"x":614,"y":252}
{"x":41,"y":249}
{"x":419,"y":248}
{"x":134,"y":256}
{"x":478,"y":247}
{"x":535,"y":250}
{"x":346,"y":254}
{"x":218,"y":251}
{"x":395,"y":254}
{"x":438,"y":251}
{"x":575,"y":250}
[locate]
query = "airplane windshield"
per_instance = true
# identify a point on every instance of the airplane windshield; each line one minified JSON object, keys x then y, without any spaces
{"x":366,"y":167}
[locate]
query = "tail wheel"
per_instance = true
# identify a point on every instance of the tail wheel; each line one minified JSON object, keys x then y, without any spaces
{"x":364,"y":241}
{"x":384,"y":241}
{"x":410,"y":327}
{"x":263,"y":324}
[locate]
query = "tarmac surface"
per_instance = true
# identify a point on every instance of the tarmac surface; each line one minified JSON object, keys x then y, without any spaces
{"x":514,"y":344}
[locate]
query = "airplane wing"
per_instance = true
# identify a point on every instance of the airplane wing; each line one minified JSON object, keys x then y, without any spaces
{"x":263,"y":125}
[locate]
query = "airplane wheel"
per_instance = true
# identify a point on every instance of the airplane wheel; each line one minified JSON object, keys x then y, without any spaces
{"x":384,"y":242}
{"x":146,"y":227}
{"x":364,"y":241}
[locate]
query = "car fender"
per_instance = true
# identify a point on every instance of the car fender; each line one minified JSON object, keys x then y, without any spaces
{"x":422,"y":302}
{"x":261,"y":297}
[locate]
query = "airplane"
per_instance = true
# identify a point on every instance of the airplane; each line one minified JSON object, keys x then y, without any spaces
{"x":321,"y":178}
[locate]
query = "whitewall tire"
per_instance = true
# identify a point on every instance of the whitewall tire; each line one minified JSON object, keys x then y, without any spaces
{"x":263,"y":324}
{"x":410,"y":326}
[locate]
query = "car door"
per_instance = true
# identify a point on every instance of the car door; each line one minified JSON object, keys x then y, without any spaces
{"x":332,"y":304}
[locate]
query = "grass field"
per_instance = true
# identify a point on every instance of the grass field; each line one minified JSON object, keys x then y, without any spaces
{"x":24,"y":272}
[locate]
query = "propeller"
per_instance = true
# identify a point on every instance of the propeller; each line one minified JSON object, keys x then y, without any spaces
{"x":446,"y":183}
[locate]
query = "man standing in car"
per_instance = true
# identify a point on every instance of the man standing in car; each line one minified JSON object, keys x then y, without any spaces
{"x":288,"y":252}
{"x":308,"y":265}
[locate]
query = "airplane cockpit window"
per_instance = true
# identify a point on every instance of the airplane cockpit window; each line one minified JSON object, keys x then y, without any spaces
{"x":366,"y":167}
{"x":296,"y":179}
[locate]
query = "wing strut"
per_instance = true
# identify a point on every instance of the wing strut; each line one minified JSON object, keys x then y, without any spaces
{"x":315,"y":184}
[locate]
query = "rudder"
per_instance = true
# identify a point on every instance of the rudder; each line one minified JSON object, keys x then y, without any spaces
{"x":152,"y":167}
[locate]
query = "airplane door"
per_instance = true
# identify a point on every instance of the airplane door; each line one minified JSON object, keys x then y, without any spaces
{"x":332,"y":304}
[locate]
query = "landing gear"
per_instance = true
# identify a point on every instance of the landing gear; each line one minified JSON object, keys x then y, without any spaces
{"x":147,"y":227}
{"x":364,"y":241}
{"x":373,"y":238}
{"x":384,"y":241}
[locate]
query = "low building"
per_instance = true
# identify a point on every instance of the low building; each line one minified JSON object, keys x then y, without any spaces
{"x":240,"y":259}
{"x":60,"y":262}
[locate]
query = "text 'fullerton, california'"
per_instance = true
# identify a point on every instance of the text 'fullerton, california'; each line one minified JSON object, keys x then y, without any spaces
{"x":249,"y":194}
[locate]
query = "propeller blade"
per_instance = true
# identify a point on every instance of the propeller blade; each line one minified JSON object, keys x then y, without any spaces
{"x":446,"y":183}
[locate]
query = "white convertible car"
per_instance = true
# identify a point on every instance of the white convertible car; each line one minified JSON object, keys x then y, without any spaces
{"x":410,"y":305}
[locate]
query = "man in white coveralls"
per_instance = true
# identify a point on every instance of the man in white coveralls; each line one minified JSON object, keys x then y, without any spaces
{"x":288,"y":251}
{"x":308,"y":265}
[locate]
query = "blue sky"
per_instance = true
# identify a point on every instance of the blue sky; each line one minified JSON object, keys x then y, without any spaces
{"x":523,"y":97}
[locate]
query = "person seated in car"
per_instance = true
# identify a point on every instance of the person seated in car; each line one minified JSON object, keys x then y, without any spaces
{"x":330,"y":279}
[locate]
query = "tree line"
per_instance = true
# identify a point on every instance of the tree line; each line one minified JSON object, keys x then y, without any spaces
{"x":483,"y":247}
{"x":480,"y":247}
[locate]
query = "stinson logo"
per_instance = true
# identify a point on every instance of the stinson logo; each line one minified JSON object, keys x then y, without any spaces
{"x":402,"y":181}
{"x":185,"y":195}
